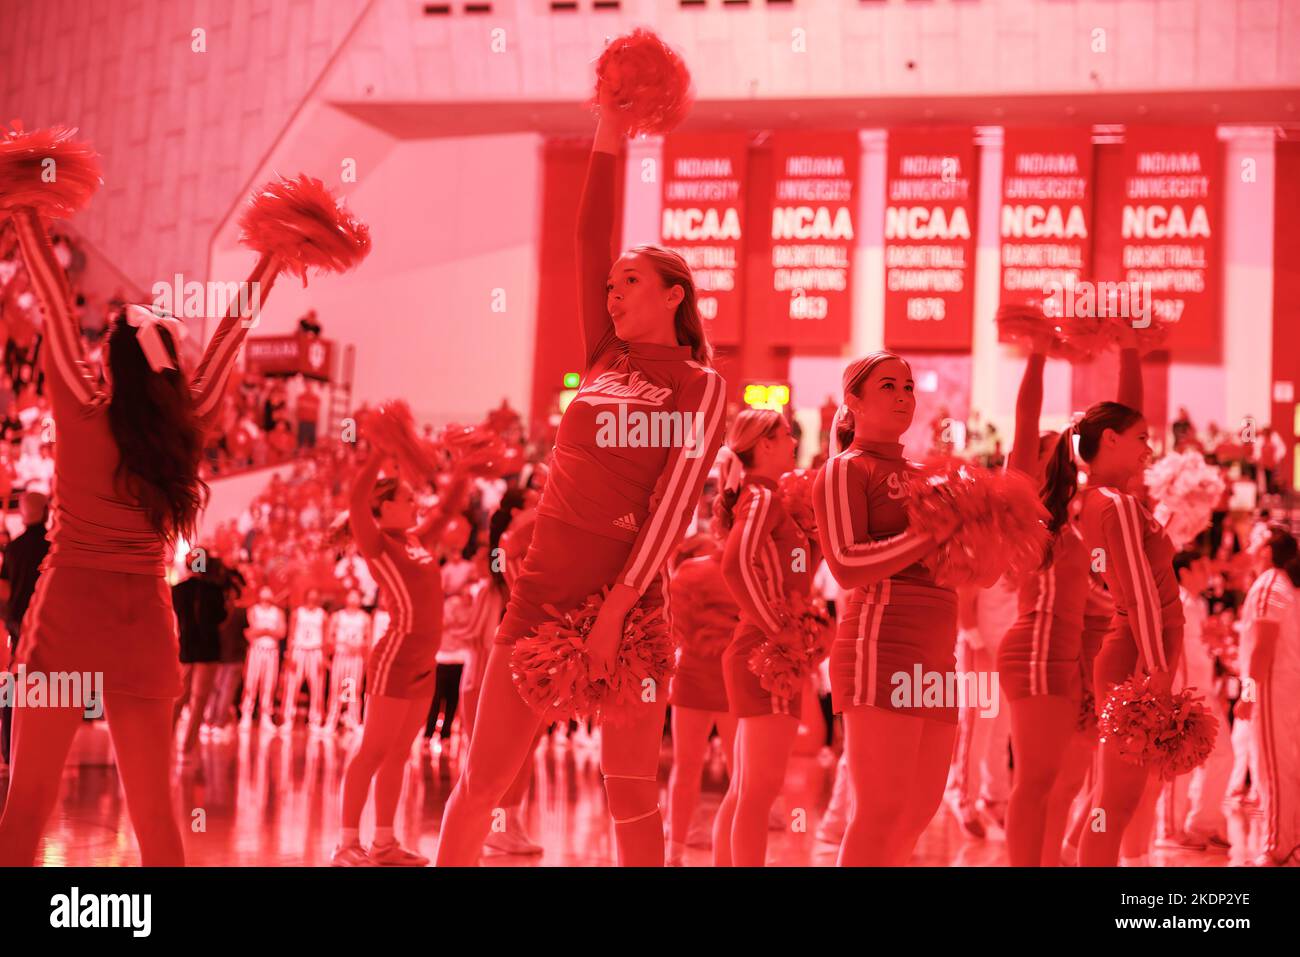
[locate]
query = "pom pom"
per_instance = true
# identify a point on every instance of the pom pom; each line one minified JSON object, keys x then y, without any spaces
{"x":796,"y":489}
{"x":478,"y":449}
{"x":782,"y":662}
{"x":47,"y":170}
{"x":647,"y":80}
{"x":1171,"y":733}
{"x":301,"y":224}
{"x":1186,"y":490}
{"x":551,"y":671}
{"x":1076,"y":340}
{"x":999,"y":520}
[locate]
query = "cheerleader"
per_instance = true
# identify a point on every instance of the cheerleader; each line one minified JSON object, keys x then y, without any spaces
{"x":1038,"y":659}
{"x":1135,"y":559}
{"x":349,"y":636}
{"x":306,"y":662}
{"x":766,"y":559}
{"x":401,"y":672}
{"x":896,"y":619}
{"x":613,"y":510}
{"x":703,"y":617}
{"x":127,"y":474}
{"x":1271,"y":654}
{"x":266,"y":628}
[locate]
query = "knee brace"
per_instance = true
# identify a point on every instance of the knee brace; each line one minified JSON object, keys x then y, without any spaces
{"x":631,"y":795}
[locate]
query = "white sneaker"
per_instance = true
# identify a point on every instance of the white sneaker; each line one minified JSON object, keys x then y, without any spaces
{"x":354,"y":855}
{"x":513,"y":840}
{"x":394,"y":855}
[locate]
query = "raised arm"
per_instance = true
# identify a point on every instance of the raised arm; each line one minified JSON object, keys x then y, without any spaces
{"x":1130,"y":378}
{"x":72,"y":385}
{"x":1029,"y":407}
{"x":755,"y":518}
{"x":365,"y":530}
{"x":840,"y":502}
{"x":678,"y":489}
{"x":595,"y":236}
{"x":213,"y":372}
{"x":1122,"y":523}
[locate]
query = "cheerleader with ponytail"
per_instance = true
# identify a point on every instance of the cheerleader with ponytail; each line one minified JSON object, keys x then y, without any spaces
{"x":128,"y":486}
{"x":615,"y":508}
{"x":1039,"y":657}
{"x":1134,"y":557}
{"x":896,"y":619}
{"x":766,"y":561}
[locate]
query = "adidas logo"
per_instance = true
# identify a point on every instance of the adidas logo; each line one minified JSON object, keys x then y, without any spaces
{"x":628,"y":521}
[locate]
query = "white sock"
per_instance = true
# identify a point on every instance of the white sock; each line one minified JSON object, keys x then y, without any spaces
{"x":384,"y":836}
{"x":350,"y":836}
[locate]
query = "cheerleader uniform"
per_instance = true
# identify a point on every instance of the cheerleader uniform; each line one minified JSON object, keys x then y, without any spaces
{"x":703,"y":617}
{"x":1098,"y":619}
{"x":1277,"y":713}
{"x":262,"y":667}
{"x":403,"y":663}
{"x":771,"y":561}
{"x":105,"y":557}
{"x":631,"y":454}
{"x":900,"y":625}
{"x":348,"y":667}
{"x":307,"y":659}
{"x":1138,"y":570}
{"x":1040,"y":653}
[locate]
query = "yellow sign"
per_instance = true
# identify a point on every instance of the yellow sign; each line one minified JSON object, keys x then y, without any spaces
{"x":760,"y":396}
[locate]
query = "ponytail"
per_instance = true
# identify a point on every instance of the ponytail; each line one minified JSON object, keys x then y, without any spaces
{"x":1061,"y":481}
{"x":736,"y":456}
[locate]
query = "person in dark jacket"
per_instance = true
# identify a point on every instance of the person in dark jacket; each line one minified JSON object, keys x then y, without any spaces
{"x":18,"y":575}
{"x":200,"y":603}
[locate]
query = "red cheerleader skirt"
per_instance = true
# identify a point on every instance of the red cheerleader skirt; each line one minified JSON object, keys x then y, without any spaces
{"x":698,"y":684}
{"x":895,"y":648}
{"x":119,"y":624}
{"x":746,"y":696}
{"x":1039,"y":656}
{"x":564,"y":566}
{"x":403,"y":666}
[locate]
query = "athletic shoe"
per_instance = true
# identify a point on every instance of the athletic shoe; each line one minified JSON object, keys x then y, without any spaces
{"x":1217,"y":843}
{"x":1181,"y":842}
{"x":354,"y":855}
{"x":394,"y":855}
{"x":268,"y":727}
{"x":513,"y":840}
{"x":967,"y":817}
{"x":993,"y":811}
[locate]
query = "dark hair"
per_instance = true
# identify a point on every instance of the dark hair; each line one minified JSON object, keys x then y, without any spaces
{"x":1284,"y":553}
{"x":724,"y":504}
{"x":384,"y":491}
{"x":153,"y":422}
{"x":1061,"y":478}
{"x":672,"y":270}
{"x":1184,"y":560}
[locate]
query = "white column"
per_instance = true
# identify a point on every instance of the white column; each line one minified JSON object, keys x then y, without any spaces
{"x":986,"y":361}
{"x":643,"y":191}
{"x":868,"y":332}
{"x":1246,"y":225}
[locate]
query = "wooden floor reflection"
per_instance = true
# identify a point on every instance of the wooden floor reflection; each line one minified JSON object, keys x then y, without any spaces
{"x":272,"y":802}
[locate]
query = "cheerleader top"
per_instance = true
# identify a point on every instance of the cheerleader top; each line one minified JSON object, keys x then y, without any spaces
{"x":95,"y":522}
{"x":767,"y":556}
{"x":1135,"y":559}
{"x":1057,"y":594}
{"x":859,"y":498}
{"x":636,"y":442}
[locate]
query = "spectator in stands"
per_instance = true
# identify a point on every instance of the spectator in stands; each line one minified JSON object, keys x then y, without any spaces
{"x":1184,"y":431}
{"x":18,"y":577}
{"x":308,"y":411}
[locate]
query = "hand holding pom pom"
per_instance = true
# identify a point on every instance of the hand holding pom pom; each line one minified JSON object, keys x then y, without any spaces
{"x":782,"y":662}
{"x":301,"y":224}
{"x":47,"y":170}
{"x":1147,"y":725}
{"x":646,"y":81}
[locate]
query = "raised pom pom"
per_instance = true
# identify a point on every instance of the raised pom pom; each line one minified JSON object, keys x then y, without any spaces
{"x":551,"y":671}
{"x":1186,"y":489}
{"x":301,"y":224}
{"x":796,"y":488}
{"x":782,"y":662}
{"x":1076,"y":340}
{"x":1172,"y":733}
{"x":47,"y":170}
{"x":647,"y":80}
{"x":999,"y":520}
